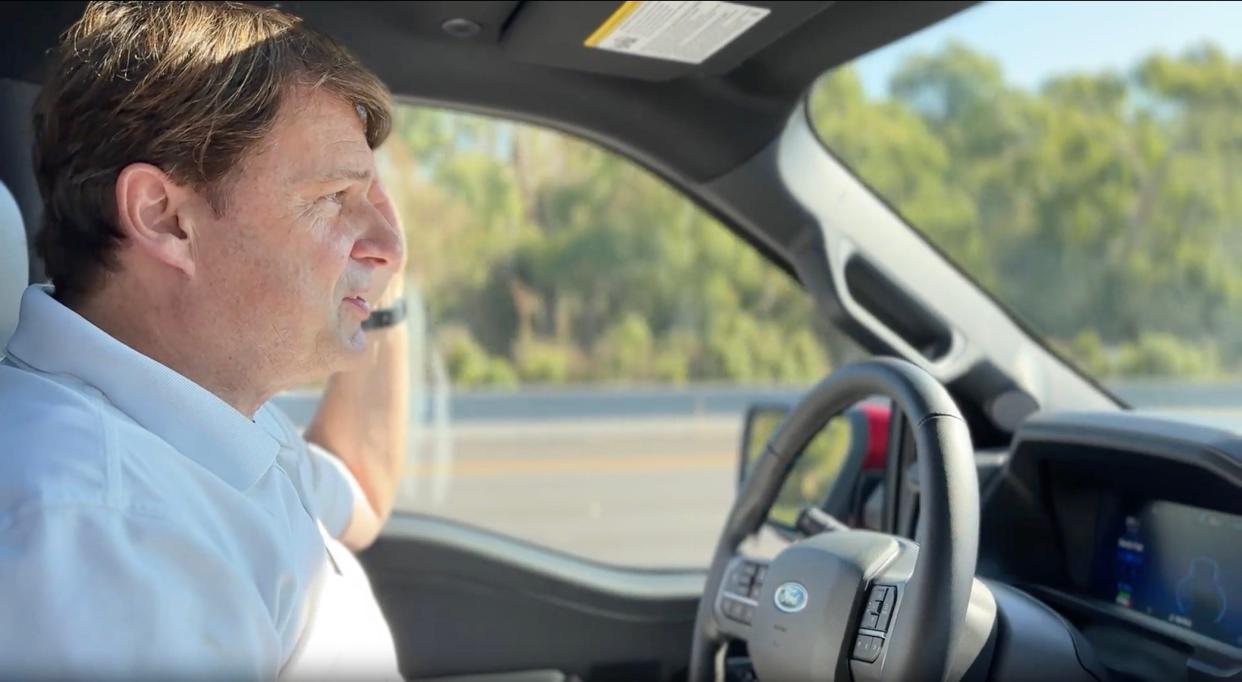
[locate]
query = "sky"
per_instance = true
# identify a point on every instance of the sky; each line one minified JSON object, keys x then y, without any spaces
{"x":1035,"y":40}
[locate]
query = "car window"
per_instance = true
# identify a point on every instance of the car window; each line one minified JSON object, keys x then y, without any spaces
{"x":1083,"y":163}
{"x":593,"y":340}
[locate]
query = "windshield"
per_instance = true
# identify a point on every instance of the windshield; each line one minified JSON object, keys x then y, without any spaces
{"x":1083,"y":163}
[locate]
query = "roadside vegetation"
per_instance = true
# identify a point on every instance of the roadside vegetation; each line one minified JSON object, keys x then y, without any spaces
{"x":1103,"y":208}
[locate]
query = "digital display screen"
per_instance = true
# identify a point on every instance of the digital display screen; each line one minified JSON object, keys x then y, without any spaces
{"x":1176,"y":563}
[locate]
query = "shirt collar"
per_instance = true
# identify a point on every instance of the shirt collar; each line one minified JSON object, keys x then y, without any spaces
{"x":54,"y":339}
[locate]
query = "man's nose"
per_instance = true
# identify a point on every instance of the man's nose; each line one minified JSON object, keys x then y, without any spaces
{"x":380,"y":245}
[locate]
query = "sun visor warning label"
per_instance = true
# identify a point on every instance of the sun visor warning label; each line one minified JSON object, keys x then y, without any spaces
{"x":687,"y":32}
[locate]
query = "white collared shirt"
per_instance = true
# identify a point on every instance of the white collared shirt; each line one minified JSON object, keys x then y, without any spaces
{"x":150,"y":530}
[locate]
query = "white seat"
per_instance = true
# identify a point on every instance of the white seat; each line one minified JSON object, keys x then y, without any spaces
{"x":14,"y":265}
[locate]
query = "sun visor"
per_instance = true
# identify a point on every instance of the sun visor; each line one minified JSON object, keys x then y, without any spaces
{"x":649,"y":40}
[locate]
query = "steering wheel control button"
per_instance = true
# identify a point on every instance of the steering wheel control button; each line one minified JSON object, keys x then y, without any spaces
{"x":756,"y":585}
{"x":882,"y":621}
{"x":867,"y":648}
{"x":737,"y":610}
{"x":748,"y":613}
{"x":879,"y":609}
{"x":876,"y":600}
{"x":870,"y":621}
{"x":791,"y":597}
{"x":741,"y":581}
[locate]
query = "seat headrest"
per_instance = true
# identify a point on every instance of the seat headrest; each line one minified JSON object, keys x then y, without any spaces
{"x":14,"y":266}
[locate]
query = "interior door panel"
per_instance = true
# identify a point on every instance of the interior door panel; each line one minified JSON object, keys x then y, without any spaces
{"x":461,"y":600}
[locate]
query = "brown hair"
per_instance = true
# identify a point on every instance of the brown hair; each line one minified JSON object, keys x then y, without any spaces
{"x":190,"y":87}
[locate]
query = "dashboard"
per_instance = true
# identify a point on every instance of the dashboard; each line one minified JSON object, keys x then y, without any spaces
{"x":1129,"y":526}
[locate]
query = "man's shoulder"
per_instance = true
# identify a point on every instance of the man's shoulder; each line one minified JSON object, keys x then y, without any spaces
{"x":45,"y":410}
{"x":55,"y":441}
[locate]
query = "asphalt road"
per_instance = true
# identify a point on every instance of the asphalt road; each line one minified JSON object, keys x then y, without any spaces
{"x":644,"y":492}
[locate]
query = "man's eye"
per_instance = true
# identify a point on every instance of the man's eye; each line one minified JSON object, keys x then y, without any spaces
{"x":335,"y":197}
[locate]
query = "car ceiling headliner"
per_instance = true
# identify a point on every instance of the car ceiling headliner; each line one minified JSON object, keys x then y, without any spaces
{"x":527,"y":62}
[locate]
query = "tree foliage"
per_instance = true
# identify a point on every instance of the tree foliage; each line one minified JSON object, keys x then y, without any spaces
{"x":546,"y":260}
{"x":1105,"y":208}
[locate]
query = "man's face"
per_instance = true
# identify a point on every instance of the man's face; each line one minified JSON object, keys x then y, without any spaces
{"x":305,"y":246}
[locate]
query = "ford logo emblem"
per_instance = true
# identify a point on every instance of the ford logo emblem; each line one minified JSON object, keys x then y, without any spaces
{"x":791,"y":597}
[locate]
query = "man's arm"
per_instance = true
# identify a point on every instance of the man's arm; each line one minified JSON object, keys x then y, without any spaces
{"x":363,"y":417}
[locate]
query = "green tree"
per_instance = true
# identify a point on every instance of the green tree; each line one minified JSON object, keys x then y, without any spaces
{"x":570,"y":264}
{"x":1103,"y":207}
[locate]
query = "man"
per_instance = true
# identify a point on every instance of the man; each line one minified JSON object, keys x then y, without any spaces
{"x":215,"y":233}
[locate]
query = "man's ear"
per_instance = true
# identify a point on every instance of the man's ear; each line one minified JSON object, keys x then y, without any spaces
{"x":150,"y":210}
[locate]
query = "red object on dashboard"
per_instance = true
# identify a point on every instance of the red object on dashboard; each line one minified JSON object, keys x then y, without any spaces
{"x":878,"y":417}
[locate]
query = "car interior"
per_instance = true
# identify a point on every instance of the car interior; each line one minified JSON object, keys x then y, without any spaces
{"x":1022,"y":524}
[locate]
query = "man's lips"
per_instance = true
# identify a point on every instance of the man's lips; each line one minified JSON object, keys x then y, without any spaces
{"x":360,"y":303}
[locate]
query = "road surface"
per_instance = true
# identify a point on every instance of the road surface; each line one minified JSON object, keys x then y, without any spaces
{"x":644,"y":492}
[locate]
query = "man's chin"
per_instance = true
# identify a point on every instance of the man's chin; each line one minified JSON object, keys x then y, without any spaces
{"x":343,"y":350}
{"x":354,"y":348}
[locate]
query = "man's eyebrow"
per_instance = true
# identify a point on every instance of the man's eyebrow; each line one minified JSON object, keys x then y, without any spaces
{"x":358,"y":174}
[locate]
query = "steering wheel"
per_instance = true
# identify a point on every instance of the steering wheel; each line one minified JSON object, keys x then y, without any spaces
{"x":851,"y":603}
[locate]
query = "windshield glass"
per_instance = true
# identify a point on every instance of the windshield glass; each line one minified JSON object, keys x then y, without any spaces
{"x":1082,"y":162}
